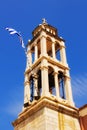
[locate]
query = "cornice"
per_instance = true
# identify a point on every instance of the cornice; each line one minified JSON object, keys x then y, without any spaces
{"x":50,"y":60}
{"x":46,"y":102}
{"x":47,"y":33}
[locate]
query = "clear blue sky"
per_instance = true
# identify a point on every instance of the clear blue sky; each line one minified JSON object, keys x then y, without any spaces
{"x":69,"y":17}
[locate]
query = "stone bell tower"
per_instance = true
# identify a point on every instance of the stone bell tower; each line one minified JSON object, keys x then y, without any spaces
{"x":48,"y":101}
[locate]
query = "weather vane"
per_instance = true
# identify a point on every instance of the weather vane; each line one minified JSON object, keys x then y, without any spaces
{"x":44,"y":21}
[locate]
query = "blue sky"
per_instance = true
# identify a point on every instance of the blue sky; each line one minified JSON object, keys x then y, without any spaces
{"x":70,"y":18}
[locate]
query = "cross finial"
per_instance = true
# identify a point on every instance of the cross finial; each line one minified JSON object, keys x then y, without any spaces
{"x":44,"y":21}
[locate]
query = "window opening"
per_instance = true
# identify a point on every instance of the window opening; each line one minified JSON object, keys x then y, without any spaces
{"x":57,"y":48}
{"x":58,"y":55}
{"x":31,"y":89}
{"x":33,"y":55}
{"x":49,"y":46}
{"x":61,"y":85}
{"x":39,"y":84}
{"x":51,"y":82}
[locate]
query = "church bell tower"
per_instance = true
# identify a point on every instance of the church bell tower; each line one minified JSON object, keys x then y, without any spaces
{"x":48,"y":100}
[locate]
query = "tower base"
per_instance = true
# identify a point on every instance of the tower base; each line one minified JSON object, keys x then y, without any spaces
{"x":48,"y":114}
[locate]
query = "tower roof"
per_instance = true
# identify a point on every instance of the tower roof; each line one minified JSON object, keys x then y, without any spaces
{"x":47,"y":28}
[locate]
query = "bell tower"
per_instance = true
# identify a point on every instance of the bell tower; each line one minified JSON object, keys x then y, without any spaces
{"x":48,"y":100}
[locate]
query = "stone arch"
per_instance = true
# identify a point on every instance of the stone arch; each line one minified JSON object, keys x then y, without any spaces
{"x":61,"y":82}
{"x":39,"y":85}
{"x":57,"y":50}
{"x":49,"y":46}
{"x":38,"y":67}
{"x":51,"y":66}
{"x":51,"y":80}
{"x":31,"y":80}
{"x":35,"y":84}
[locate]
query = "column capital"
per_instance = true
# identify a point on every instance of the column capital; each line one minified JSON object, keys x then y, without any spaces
{"x":44,"y":67}
{"x":35,"y":76}
{"x":35,"y":43}
{"x":29,"y":51}
{"x":56,"y":72}
{"x":26,"y":83}
{"x":43,"y":34}
{"x":62,"y":46}
{"x":62,"y":43}
{"x":28,"y":48}
{"x":53,"y":42}
{"x":67,"y":77}
{"x":26,"y":77}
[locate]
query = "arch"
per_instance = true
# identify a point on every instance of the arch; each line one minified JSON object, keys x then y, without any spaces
{"x":51,"y":80}
{"x":31,"y":80}
{"x":57,"y":50}
{"x":35,"y":85}
{"x":37,"y":68}
{"x":61,"y":81}
{"x":49,"y":46}
{"x":39,"y":86}
{"x":51,"y":66}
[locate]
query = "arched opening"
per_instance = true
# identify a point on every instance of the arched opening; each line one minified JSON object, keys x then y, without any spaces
{"x":57,"y":49}
{"x":31,"y":88}
{"x":61,"y":79}
{"x":33,"y":54}
{"x":49,"y":46}
{"x":35,"y":86}
{"x":39,"y":84}
{"x":51,"y":81}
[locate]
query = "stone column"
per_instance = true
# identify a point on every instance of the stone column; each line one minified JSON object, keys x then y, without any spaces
{"x":36,"y":52}
{"x":43,"y":44}
{"x":26,"y":91}
{"x":30,"y":58}
{"x":44,"y":79}
{"x":63,"y":53}
{"x":68,"y":91}
{"x":56,"y":84}
{"x":53,"y":50}
{"x":27,"y":63}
